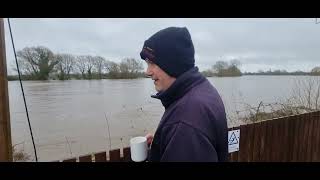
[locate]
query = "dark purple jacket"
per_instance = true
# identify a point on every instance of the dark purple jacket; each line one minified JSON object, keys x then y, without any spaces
{"x":193,"y":126}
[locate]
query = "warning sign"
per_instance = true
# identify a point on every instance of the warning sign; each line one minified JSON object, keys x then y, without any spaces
{"x":233,"y":140}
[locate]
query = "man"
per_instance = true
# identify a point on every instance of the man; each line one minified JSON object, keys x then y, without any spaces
{"x":193,"y":126}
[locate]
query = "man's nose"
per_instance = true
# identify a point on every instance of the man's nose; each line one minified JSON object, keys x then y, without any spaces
{"x":148,"y":72}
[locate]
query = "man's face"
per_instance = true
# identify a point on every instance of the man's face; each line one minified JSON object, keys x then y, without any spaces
{"x":162,"y":81}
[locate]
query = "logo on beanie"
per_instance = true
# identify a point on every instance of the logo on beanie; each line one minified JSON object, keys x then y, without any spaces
{"x":148,"y":53}
{"x":149,"y":49}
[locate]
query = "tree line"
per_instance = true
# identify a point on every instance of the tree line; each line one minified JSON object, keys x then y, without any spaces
{"x":40,"y":63}
{"x":314,"y":72}
{"x":225,"y":69}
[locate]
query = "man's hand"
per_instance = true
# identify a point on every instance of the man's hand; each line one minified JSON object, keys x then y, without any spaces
{"x":149,"y":137}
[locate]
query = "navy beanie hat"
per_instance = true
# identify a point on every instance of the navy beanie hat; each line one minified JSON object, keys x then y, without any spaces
{"x":171,"y":49}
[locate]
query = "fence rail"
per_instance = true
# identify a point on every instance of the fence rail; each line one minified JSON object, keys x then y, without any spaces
{"x":286,"y":139}
{"x":113,"y":156}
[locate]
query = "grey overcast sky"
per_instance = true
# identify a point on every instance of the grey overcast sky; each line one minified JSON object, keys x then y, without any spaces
{"x":259,"y":44}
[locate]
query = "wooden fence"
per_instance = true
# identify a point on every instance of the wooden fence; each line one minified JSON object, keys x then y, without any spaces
{"x":287,"y":139}
{"x":114,"y":156}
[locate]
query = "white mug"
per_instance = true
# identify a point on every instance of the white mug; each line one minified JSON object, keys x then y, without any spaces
{"x":139,"y":149}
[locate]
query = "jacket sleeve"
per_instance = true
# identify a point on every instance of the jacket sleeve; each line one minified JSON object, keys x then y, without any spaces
{"x":182,"y":142}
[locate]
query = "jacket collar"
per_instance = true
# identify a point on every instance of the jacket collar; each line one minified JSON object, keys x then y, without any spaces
{"x":180,"y":87}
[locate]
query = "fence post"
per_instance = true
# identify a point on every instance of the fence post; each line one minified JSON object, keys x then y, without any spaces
{"x":5,"y":129}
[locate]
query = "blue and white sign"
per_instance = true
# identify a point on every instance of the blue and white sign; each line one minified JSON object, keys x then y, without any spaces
{"x":233,"y":140}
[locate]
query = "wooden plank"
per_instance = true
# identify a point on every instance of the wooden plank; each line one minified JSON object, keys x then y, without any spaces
{"x":284,"y":146}
{"x":314,"y":137}
{"x":307,"y":146}
{"x":297,"y":137}
{"x":305,"y":138}
{"x":277,"y":139}
{"x":243,"y":144}
{"x":5,"y":127}
{"x":285,"y":143}
{"x":230,"y":155}
{"x":282,"y":139}
{"x":267,"y":146}
{"x":292,"y":140}
{"x":256,"y":142}
{"x":235,"y":155}
{"x":263,"y":141}
{"x":249,"y":142}
{"x":274,"y":140}
{"x":114,"y":155}
{"x":304,"y":152}
{"x":310,"y":137}
{"x":100,"y":157}
{"x":251,"y":136}
{"x":85,"y":158}
{"x":317,"y":128}
{"x":269,"y":143}
{"x":127,"y":154}
{"x":70,"y":160}
{"x":317,"y":117}
{"x":302,"y":134}
{"x":279,"y":135}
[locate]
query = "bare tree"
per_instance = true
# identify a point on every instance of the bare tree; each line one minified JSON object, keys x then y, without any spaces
{"x":235,"y":63}
{"x":223,"y":68}
{"x":234,"y":67}
{"x":124,"y":69}
{"x":81,"y":65}
{"x":99,"y":64}
{"x":89,"y":65}
{"x":306,"y":93}
{"x":85,"y":65}
{"x":37,"y":61}
{"x":219,"y":66}
{"x":113,"y":69}
{"x":130,"y":67}
{"x":65,"y":65}
{"x":26,"y":68}
{"x":134,"y":65}
{"x":315,"y":71}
